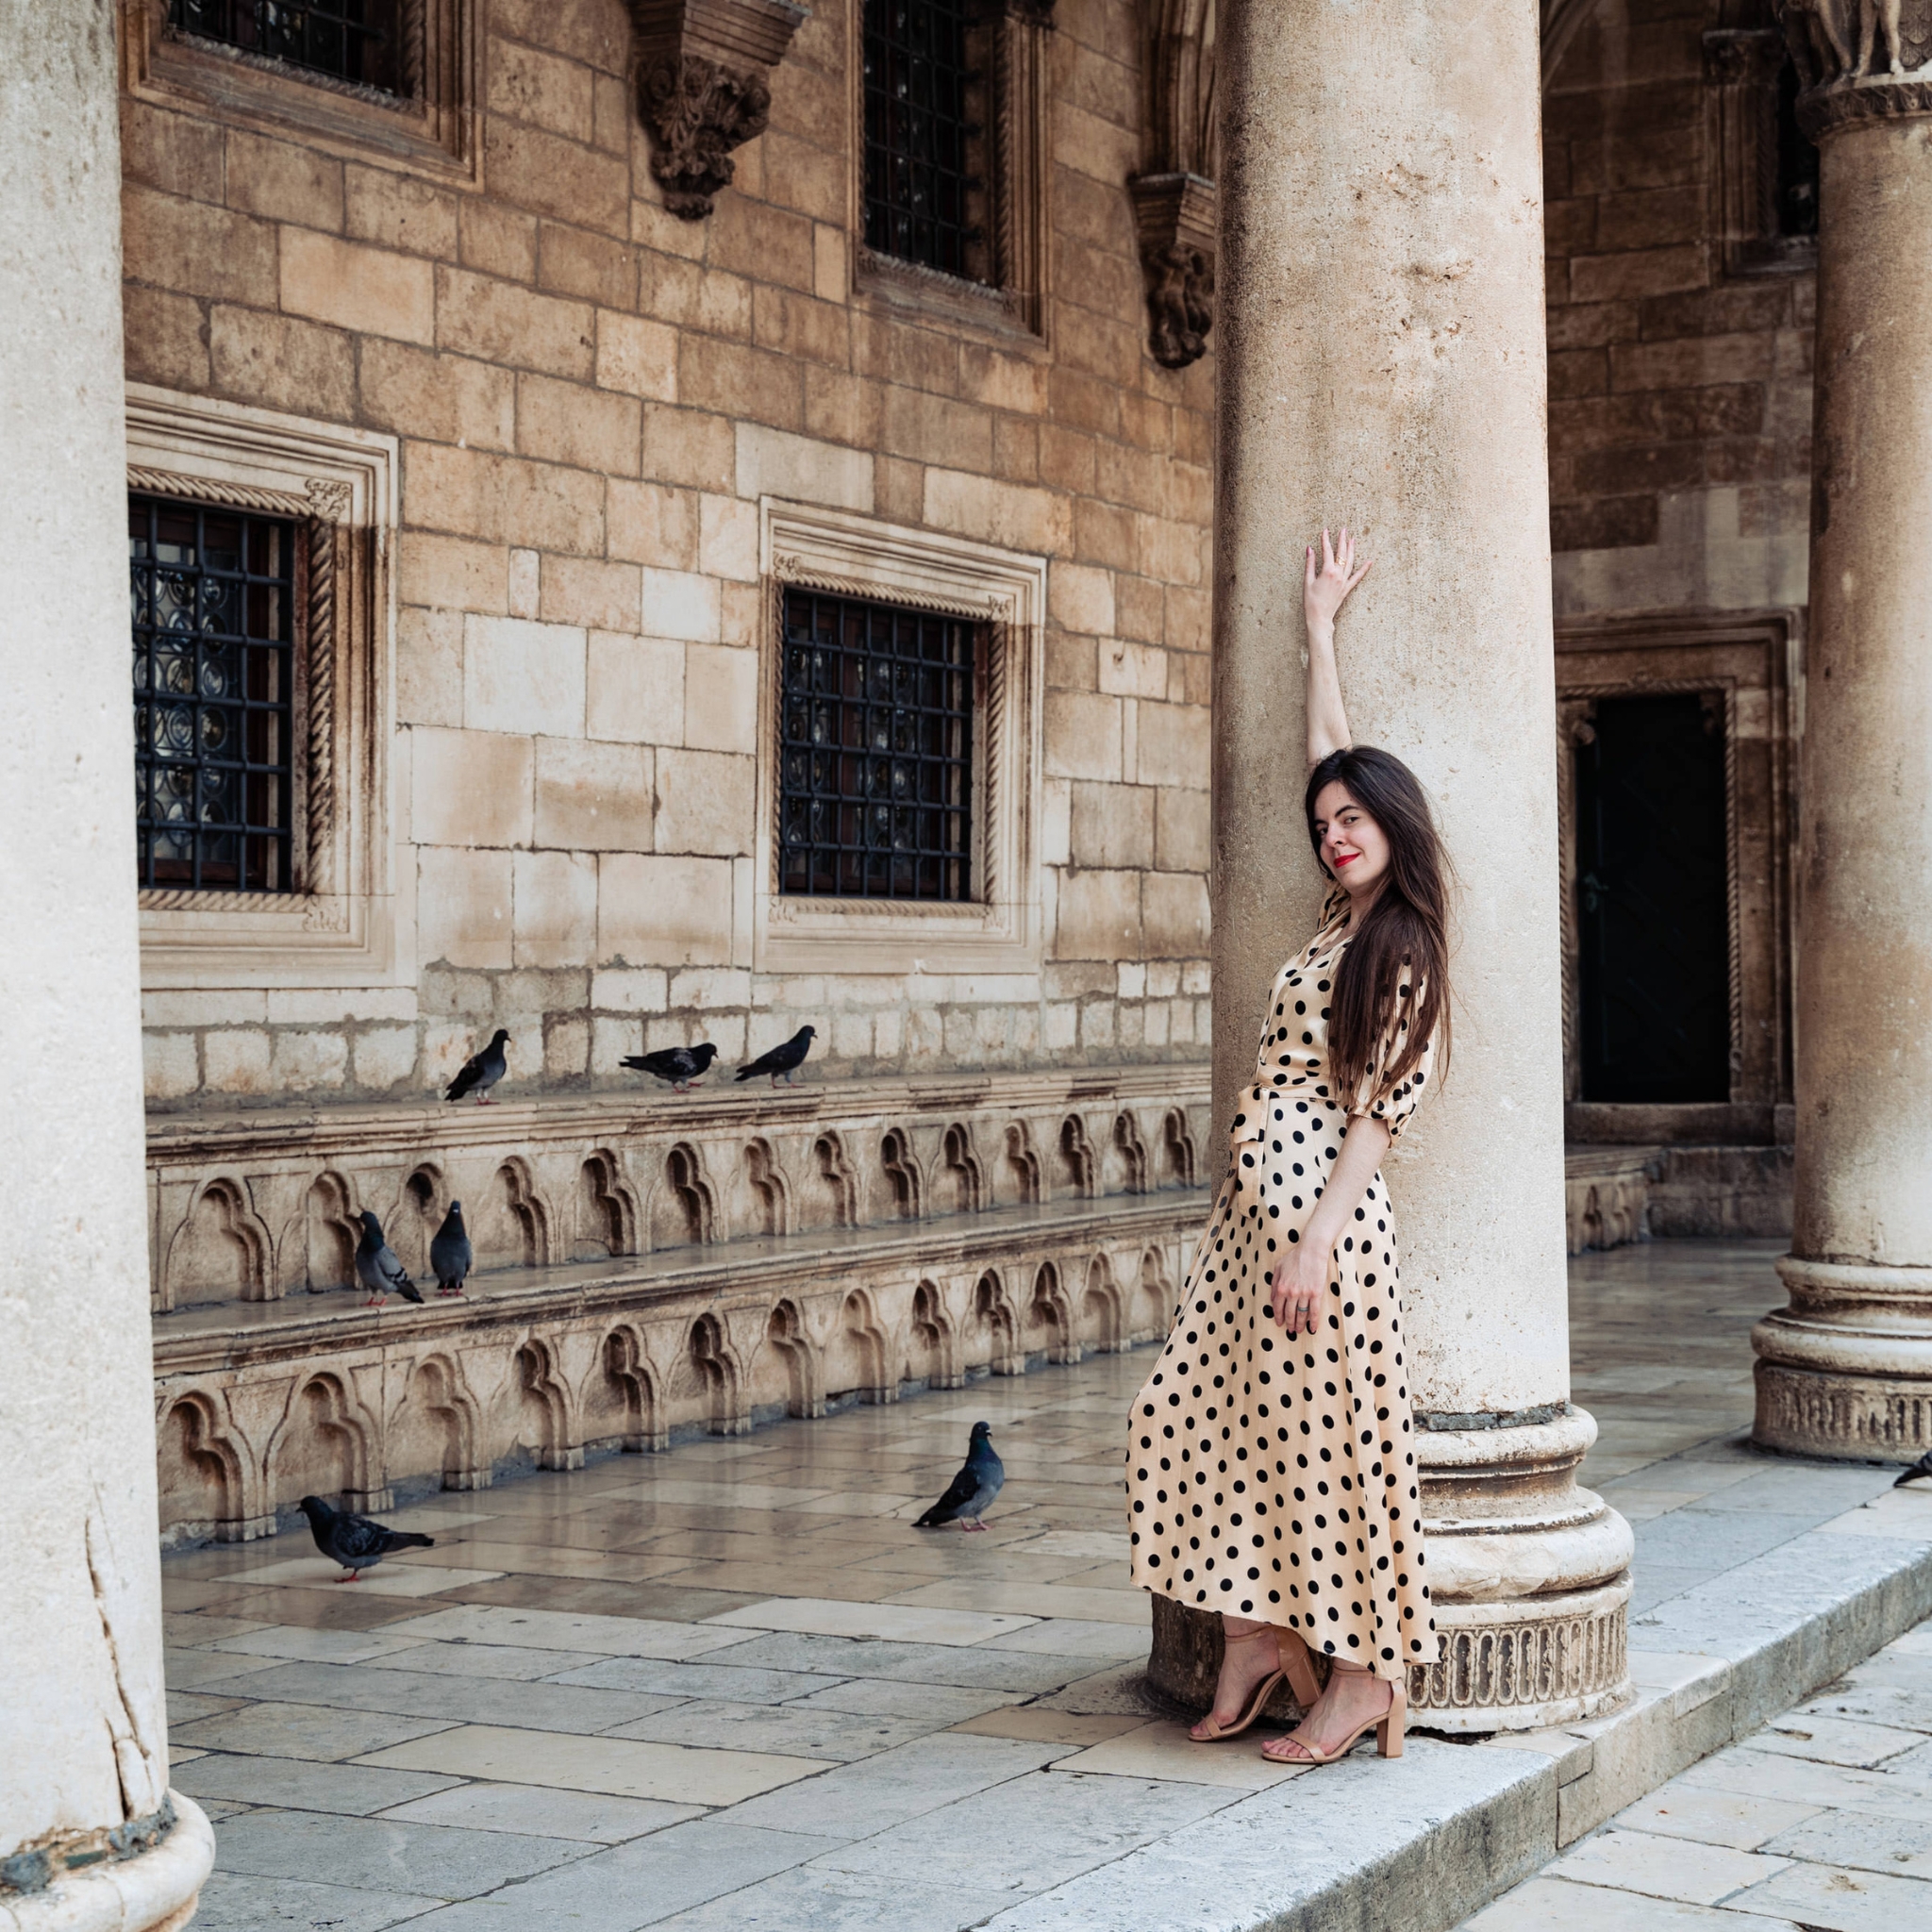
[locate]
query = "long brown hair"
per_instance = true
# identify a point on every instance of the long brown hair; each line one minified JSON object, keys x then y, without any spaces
{"x":1406,"y":926}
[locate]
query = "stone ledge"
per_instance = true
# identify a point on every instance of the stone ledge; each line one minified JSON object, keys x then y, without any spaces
{"x":1418,"y":1845}
{"x":260,"y":1403}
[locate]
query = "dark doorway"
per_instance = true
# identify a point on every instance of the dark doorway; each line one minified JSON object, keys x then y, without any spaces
{"x":1651,"y":900}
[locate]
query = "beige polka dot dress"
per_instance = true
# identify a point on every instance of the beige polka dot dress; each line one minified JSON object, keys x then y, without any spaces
{"x":1272,"y":1476}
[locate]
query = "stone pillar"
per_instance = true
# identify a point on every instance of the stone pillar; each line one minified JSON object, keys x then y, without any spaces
{"x":88,"y":1836}
{"x":1846,"y":1368}
{"x":1382,"y":362}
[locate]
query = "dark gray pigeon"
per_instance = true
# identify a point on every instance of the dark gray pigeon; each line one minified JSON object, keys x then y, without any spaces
{"x":974,"y":1489}
{"x":450,"y":1254}
{"x":680,"y":1065}
{"x":480,"y":1073}
{"x":354,"y":1541}
{"x":781,"y":1059}
{"x":377,"y":1267}
{"x":1920,"y":1470}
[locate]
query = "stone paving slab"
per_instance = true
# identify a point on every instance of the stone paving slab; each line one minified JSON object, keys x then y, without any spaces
{"x":564,"y":1718}
{"x":1822,"y":1819}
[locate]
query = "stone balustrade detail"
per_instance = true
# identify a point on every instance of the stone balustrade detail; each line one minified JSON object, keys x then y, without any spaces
{"x":699,"y":1263}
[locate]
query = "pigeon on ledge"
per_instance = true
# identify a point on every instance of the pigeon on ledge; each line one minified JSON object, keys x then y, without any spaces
{"x":680,"y":1065}
{"x":781,"y":1059}
{"x":974,"y":1489}
{"x":450,"y":1254}
{"x":378,"y":1269}
{"x":354,"y":1541}
{"x":480,"y":1073}
{"x":1920,"y":1469}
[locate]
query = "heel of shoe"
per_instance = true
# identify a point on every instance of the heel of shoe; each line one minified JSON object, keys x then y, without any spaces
{"x":1299,"y":1665}
{"x":1388,"y":1732}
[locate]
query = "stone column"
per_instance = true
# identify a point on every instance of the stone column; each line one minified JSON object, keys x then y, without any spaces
{"x":1382,"y":362}
{"x":1846,"y":1368}
{"x":88,"y":1836}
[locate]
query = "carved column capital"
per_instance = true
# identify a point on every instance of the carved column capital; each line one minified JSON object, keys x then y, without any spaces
{"x":1858,"y":60}
{"x":1174,"y":223}
{"x":700,"y":68}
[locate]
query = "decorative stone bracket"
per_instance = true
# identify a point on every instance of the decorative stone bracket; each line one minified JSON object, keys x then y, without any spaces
{"x":1173,"y":219}
{"x":700,"y":68}
{"x":1859,"y":60}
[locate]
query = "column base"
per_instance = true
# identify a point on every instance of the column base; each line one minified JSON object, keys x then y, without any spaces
{"x":157,"y":1891}
{"x":1530,"y":1579}
{"x":1844,"y":1372}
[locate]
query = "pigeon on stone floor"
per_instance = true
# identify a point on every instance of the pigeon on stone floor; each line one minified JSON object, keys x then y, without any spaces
{"x":354,"y":1541}
{"x":1921,"y":1468}
{"x":481,"y":1072}
{"x":450,"y":1254}
{"x":781,"y":1059}
{"x":377,"y":1268}
{"x":974,"y":1489}
{"x":680,"y":1065}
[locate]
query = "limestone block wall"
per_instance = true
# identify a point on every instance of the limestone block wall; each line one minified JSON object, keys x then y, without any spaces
{"x":261,"y":1206}
{"x":589,"y":399}
{"x":1680,"y":361}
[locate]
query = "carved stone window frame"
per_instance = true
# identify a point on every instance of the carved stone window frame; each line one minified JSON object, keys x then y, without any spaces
{"x":1000,"y":929}
{"x":1752,"y":659}
{"x":1014,"y":306}
{"x":436,"y":128}
{"x":337,"y":929}
{"x":1742,"y":67}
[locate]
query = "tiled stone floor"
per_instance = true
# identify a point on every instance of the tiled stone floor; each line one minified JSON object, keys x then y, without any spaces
{"x":731,"y":1686}
{"x":1821,"y":1820}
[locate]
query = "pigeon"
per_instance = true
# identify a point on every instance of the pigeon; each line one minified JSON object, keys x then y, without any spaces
{"x":354,"y":1541}
{"x":680,"y":1065}
{"x":377,"y":1268}
{"x":974,"y":1489}
{"x":781,"y":1059}
{"x":1921,"y":1468}
{"x":450,"y":1254}
{"x":480,"y":1073}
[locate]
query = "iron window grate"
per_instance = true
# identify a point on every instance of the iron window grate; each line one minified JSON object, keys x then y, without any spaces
{"x":922,"y":134}
{"x":350,"y":40}
{"x":213,"y":595}
{"x":876,"y":786}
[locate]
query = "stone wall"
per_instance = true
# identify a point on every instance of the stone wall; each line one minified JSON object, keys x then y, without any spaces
{"x":589,"y":399}
{"x":1680,"y":391}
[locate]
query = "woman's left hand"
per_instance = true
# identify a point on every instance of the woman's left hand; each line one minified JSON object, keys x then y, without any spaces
{"x":1300,"y":1282}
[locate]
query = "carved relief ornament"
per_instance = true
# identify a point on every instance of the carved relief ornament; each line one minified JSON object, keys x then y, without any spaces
{"x":1175,"y":200}
{"x":700,"y":68}
{"x":1859,"y":60}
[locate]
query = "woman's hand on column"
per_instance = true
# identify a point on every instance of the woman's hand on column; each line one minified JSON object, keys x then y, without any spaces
{"x":1325,"y":588}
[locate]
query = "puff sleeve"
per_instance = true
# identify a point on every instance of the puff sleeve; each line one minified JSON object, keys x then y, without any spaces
{"x":1394,"y":1102}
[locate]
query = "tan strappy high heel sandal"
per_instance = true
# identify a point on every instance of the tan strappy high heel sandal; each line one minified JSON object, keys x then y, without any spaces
{"x":1257,"y":1698}
{"x":1389,"y":1729}
{"x":1298,"y":1661}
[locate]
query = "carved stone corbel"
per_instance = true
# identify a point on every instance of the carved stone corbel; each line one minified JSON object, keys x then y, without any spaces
{"x":1175,"y":200}
{"x":700,"y":70}
{"x":1174,"y":219}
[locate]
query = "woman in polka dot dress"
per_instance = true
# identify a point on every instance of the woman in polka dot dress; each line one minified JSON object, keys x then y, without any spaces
{"x":1270,"y":1464}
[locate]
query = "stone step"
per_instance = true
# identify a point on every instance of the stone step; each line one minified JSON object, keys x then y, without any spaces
{"x":1419,"y":1844}
{"x":253,"y":1203}
{"x":260,"y":1403}
{"x":1606,"y":1196}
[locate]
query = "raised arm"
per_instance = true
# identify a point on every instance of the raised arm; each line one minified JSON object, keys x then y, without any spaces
{"x":1324,"y":590}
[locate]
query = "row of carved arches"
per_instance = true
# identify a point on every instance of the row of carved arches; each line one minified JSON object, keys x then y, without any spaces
{"x":238,"y":1449}
{"x":241,"y":1236}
